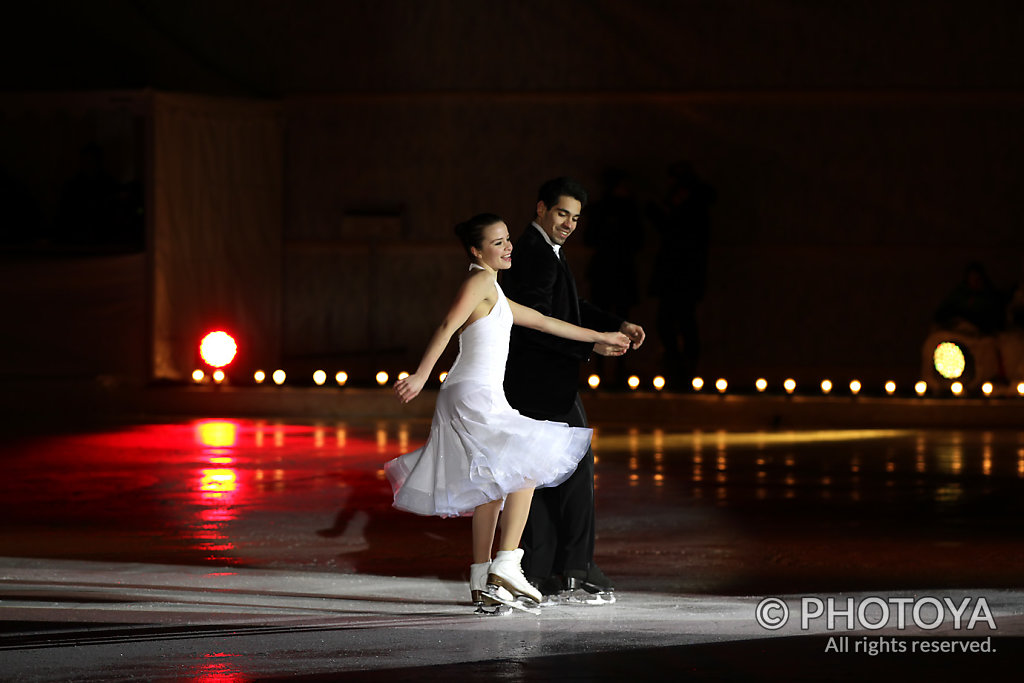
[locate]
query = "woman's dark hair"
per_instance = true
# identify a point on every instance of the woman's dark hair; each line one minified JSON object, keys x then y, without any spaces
{"x":471,"y":232}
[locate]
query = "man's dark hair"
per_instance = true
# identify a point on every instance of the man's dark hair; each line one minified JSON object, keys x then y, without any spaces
{"x":550,"y":191}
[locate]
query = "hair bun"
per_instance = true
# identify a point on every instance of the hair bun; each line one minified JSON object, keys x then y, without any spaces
{"x":471,"y":232}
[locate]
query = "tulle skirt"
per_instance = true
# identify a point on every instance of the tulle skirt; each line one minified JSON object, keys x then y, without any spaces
{"x":480,"y":449}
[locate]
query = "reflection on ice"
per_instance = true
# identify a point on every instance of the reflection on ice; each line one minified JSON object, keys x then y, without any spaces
{"x":854,"y":465}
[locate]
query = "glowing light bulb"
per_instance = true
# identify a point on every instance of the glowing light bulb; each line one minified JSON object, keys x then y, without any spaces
{"x":218,"y":348}
{"x":855,"y":387}
{"x":949,"y":360}
{"x":341,"y":377}
{"x":826,"y":386}
{"x":198,"y":375}
{"x":957,"y":388}
{"x":890,"y":387}
{"x":789,"y":385}
{"x":218,"y":375}
{"x":658,"y":382}
{"x":594,"y":381}
{"x":1020,"y":388}
{"x":633,"y":382}
{"x":259,"y":376}
{"x":443,"y":376}
{"x":721,"y":384}
{"x":987,"y":388}
{"x":921,"y":387}
{"x":761,"y":384}
{"x":403,"y":375}
{"x":319,"y":377}
{"x":279,"y":376}
{"x":698,"y":383}
{"x":382,"y":378}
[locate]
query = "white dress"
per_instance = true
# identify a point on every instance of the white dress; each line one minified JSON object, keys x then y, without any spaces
{"x":480,"y":448}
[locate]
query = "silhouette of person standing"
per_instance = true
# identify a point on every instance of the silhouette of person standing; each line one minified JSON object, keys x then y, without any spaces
{"x":613,"y":227}
{"x":680,"y":272}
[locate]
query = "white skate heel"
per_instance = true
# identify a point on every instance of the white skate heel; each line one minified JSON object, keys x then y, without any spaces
{"x":506,"y":583}
{"x":478,"y":588}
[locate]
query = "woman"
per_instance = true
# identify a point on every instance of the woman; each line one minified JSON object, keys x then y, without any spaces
{"x":482,"y":457}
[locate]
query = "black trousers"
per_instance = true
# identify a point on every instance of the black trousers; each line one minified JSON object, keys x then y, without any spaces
{"x":559,"y":534}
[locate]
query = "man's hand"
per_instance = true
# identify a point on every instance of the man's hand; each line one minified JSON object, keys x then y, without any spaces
{"x":609,"y":349}
{"x":634,"y":332}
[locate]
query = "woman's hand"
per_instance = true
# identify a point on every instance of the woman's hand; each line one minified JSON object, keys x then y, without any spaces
{"x":612,"y":344}
{"x":409,"y":388}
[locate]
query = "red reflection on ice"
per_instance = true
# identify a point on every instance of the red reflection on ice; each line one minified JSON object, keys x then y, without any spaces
{"x":218,"y":483}
{"x":217,"y":487}
{"x":218,"y":669}
{"x":217,"y":433}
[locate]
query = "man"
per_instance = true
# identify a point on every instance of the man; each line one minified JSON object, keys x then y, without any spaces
{"x":541,"y":381}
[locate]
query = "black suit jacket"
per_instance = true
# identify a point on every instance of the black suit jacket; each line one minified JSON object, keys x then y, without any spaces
{"x":542,"y":373}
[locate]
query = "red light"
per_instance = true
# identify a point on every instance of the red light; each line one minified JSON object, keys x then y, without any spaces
{"x":218,"y":349}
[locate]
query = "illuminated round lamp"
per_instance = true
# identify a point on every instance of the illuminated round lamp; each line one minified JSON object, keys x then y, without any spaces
{"x":987,"y":388}
{"x":341,"y":377}
{"x":443,"y":376}
{"x":403,"y":374}
{"x":198,"y":375}
{"x":658,"y":382}
{"x":789,"y":385}
{"x":278,"y":377}
{"x":319,"y":377}
{"x":921,"y":387}
{"x":890,"y":387}
{"x":259,"y":376}
{"x":1020,"y":389}
{"x":855,"y":387}
{"x":721,"y":384}
{"x":697,"y":383}
{"x":761,"y":384}
{"x":633,"y":382}
{"x":218,"y":375}
{"x":382,"y":378}
{"x":594,"y":381}
{"x":949,"y":360}
{"x":218,"y":349}
{"x":826,"y":386}
{"x":957,"y":388}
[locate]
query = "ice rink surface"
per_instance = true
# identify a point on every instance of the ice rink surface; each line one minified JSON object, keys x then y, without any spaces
{"x":237,"y":550}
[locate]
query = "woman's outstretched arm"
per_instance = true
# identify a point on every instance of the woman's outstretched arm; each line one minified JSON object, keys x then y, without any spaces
{"x":473,"y":291}
{"x":616,"y":342}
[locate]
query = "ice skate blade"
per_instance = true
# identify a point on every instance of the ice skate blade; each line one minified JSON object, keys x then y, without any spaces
{"x":494,"y":581}
{"x":582,"y":597}
{"x":503,"y":596}
{"x":480,"y":599}
{"x":498,"y":610}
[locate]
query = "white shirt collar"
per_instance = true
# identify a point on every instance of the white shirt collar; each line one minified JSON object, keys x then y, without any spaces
{"x":547,"y":239}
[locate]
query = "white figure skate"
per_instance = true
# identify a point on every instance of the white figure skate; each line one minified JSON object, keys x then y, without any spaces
{"x":506,"y":583}
{"x":478,"y":589}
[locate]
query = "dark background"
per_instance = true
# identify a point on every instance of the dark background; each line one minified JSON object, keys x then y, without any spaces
{"x":862,"y":154}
